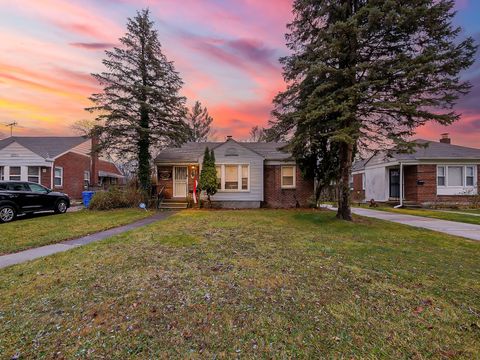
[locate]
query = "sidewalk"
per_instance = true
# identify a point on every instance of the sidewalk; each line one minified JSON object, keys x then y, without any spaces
{"x":469,"y":231}
{"x":31,"y":254}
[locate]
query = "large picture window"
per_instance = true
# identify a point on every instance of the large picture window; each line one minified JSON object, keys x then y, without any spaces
{"x":456,"y":176}
{"x":232,"y":177}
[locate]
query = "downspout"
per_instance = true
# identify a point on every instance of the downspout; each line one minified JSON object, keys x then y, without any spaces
{"x":401,"y":187}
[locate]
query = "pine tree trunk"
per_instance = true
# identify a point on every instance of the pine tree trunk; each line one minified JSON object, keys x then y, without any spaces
{"x":344,"y":211}
{"x":144,"y":136}
{"x":144,"y":152}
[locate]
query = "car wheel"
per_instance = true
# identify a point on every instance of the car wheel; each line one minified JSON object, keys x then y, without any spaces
{"x":61,"y":207}
{"x":7,"y":213}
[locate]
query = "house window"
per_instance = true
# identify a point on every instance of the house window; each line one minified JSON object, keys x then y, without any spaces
{"x":288,"y":177}
{"x":219,"y":176}
{"x":2,"y":172}
{"x":470,"y":172}
{"x":86,"y":179}
{"x":441,"y":176}
{"x":455,"y":176}
{"x":244,"y":177}
{"x":34,"y":174}
{"x":233,"y":177}
{"x":363,"y":181}
{"x":58,"y":176}
{"x":15,"y":173}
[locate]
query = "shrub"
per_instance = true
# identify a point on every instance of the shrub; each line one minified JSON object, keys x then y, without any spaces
{"x":116,"y":198}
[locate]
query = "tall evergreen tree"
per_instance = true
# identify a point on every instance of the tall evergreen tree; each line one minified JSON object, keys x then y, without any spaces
{"x":199,"y":122}
{"x":367,"y":73}
{"x":140,"y":106}
{"x":208,"y":175}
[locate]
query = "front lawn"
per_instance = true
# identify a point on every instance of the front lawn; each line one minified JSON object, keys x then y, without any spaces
{"x":465,"y":216}
{"x":48,"y":229}
{"x":256,"y":283}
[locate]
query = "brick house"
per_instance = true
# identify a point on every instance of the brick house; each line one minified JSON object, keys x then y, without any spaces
{"x":435,"y":172}
{"x":249,"y":174}
{"x":61,"y":163}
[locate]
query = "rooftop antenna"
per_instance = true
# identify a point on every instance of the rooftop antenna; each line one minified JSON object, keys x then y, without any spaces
{"x":11,"y":125}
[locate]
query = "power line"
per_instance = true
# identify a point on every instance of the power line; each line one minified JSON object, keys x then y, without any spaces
{"x":11,"y":125}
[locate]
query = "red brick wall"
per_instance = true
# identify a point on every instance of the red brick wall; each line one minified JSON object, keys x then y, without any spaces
{"x":428,"y":191}
{"x":276,"y":197}
{"x":410,"y":177}
{"x":358,"y":192}
{"x":74,"y":165}
{"x":46,"y":177}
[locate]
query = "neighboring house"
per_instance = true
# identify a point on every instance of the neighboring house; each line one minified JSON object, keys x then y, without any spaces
{"x":60,"y":163}
{"x":434,"y":172}
{"x":250,"y":174}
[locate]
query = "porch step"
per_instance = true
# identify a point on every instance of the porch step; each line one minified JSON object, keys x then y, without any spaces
{"x":169,"y":204}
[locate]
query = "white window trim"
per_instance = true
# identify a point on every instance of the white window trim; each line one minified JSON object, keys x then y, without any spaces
{"x":294,"y":177}
{"x":364,"y":182}
{"x":55,"y":177}
{"x":2,"y":172}
{"x":464,"y":189}
{"x":239,"y":178}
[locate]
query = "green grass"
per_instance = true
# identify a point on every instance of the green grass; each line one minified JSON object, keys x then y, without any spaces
{"x":454,"y":215}
{"x":264,"y":283}
{"x":43,"y":230}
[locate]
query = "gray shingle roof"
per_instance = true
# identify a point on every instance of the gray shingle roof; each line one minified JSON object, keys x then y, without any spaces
{"x":191,"y":151}
{"x":45,"y":146}
{"x":430,"y":150}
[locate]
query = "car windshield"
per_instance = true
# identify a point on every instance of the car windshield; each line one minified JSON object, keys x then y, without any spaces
{"x":38,"y":188}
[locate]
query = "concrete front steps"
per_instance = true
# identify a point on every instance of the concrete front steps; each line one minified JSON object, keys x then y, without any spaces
{"x":173,"y":204}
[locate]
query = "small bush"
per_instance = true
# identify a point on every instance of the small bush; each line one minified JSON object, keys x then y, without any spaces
{"x":116,"y":199}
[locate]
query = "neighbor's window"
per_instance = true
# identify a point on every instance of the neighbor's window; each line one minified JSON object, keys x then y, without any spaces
{"x":288,"y":176}
{"x":2,"y":172}
{"x":441,"y":176}
{"x":219,"y":176}
{"x":231,"y":177}
{"x":15,"y":173}
{"x":470,"y":172}
{"x":58,"y":176}
{"x":34,"y":174}
{"x":455,"y":175}
{"x":86,"y":178}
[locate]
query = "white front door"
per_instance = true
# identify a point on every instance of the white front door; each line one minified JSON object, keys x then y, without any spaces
{"x":180,"y":181}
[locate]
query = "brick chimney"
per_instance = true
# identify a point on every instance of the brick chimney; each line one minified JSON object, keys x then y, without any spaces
{"x":445,"y":139}
{"x":229,"y":137}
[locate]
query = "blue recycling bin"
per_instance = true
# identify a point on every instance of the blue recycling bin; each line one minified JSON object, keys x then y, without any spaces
{"x":87,"y":197}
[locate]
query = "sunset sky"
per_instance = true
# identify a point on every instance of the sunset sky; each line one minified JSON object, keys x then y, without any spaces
{"x":225,"y":50}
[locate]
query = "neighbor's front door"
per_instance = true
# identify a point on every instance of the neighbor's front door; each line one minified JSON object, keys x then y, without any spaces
{"x":180,"y":181}
{"x":394,"y":183}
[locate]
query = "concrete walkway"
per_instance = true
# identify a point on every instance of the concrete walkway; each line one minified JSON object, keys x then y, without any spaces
{"x":469,"y":231}
{"x":31,"y":254}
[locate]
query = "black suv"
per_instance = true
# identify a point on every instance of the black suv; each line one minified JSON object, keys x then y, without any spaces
{"x":20,"y":197}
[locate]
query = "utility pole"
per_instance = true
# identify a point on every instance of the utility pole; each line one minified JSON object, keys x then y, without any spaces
{"x":11,"y":125}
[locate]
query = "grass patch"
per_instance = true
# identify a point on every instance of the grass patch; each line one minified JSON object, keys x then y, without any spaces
{"x":48,"y":229}
{"x":253,"y":283}
{"x":465,"y":216}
